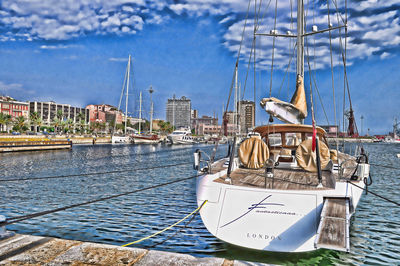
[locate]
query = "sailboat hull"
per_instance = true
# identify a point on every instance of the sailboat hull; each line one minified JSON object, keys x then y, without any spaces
{"x":265,"y":219}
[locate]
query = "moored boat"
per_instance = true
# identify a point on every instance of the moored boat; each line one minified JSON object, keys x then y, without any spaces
{"x":285,"y":189}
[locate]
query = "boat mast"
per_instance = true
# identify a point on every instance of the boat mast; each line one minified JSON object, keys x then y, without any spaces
{"x":140,"y":111}
{"x":235,"y":115}
{"x":151,"y":109}
{"x":127,"y":93}
{"x":300,"y":38}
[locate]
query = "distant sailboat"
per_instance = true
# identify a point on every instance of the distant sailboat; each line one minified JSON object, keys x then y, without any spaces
{"x":124,"y":138}
{"x":149,"y":138}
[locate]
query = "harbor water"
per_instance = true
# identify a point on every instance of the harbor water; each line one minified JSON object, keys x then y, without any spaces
{"x":375,"y":228}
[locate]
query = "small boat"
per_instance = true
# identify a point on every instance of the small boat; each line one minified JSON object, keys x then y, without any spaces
{"x":181,"y":136}
{"x":120,"y":139}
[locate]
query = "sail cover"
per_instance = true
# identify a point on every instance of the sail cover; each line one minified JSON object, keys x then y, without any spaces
{"x":293,"y":112}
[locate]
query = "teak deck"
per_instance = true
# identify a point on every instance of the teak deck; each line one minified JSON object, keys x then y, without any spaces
{"x":285,"y":179}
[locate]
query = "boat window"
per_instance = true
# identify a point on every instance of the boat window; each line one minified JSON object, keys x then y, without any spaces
{"x":293,"y":139}
{"x":275,"y":139}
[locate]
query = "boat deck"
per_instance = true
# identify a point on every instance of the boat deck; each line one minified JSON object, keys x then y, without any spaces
{"x":286,"y":179}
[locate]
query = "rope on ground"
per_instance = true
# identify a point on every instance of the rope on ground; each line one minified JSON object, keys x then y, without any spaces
{"x":21,"y":218}
{"x":95,"y":173}
{"x":375,"y":194}
{"x":167,"y":228}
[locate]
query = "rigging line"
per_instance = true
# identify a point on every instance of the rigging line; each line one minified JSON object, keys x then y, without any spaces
{"x":287,"y":70}
{"x":266,"y":10}
{"x":333,"y":84}
{"x":96,"y":173}
{"x":120,"y":99}
{"x":254,"y":57}
{"x":312,"y":74}
{"x":338,"y":13}
{"x":248,"y":68}
{"x":385,"y":166}
{"x":375,"y":194}
{"x":21,"y":218}
{"x":237,"y":59}
{"x":320,"y":98}
{"x":169,"y":227}
{"x":273,"y":50}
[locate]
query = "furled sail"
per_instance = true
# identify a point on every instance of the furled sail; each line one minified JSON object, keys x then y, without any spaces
{"x":293,"y":112}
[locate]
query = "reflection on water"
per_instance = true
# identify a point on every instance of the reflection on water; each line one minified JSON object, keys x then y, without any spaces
{"x":375,"y":229}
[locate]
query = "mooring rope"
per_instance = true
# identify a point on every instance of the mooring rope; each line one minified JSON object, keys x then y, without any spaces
{"x":375,"y":194}
{"x":385,"y":166}
{"x":21,"y":218}
{"x":167,"y":228}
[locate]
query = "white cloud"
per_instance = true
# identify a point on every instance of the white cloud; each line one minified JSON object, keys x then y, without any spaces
{"x":385,"y":55}
{"x":13,"y":88}
{"x":372,"y":31}
{"x":118,"y":59}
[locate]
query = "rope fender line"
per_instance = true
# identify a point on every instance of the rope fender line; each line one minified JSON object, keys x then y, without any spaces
{"x":169,"y":227}
{"x":16,"y":219}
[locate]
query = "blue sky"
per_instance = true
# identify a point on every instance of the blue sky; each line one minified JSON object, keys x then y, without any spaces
{"x":76,"y":52}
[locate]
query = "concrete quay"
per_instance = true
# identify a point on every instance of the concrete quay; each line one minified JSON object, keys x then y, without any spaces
{"x":37,"y":250}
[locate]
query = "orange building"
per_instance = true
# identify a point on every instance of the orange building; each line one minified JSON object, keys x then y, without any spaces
{"x":13,"y":107}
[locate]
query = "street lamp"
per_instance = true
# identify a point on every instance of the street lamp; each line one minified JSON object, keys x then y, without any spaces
{"x":362,"y":119}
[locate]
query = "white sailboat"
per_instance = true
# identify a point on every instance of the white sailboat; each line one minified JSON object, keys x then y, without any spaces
{"x":123,"y":138}
{"x":286,"y":191}
{"x":149,"y":138}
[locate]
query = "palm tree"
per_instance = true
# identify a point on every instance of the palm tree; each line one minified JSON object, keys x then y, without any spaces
{"x":19,"y":123}
{"x":81,"y":118}
{"x":4,"y":121}
{"x":56,"y":123}
{"x":70,"y":124}
{"x":34,"y":117}
{"x":59,"y":114}
{"x":39,"y":123}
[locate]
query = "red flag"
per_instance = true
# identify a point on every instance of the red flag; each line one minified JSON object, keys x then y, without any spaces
{"x":314,"y":137}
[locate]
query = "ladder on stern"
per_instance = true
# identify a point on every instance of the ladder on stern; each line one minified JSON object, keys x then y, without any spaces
{"x":333,"y":229}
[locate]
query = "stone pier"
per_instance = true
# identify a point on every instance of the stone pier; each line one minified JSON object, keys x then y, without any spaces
{"x":37,"y":250}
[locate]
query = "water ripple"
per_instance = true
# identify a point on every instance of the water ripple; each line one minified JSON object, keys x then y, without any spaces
{"x":375,"y":228}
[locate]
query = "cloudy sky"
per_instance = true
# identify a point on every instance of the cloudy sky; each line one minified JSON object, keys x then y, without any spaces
{"x":75,"y":52}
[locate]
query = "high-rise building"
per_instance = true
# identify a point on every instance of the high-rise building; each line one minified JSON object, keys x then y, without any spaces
{"x":179,"y":112}
{"x":247,"y":116}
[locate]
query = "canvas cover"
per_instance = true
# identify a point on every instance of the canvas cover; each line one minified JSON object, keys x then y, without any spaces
{"x":306,"y":158}
{"x":299,"y":97}
{"x":253,"y":153}
{"x":293,"y":112}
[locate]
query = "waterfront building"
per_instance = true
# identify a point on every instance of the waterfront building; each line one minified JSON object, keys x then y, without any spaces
{"x":331,"y":130}
{"x":47,"y":111}
{"x":104,"y":113}
{"x":247,"y":117}
{"x":211,"y":130}
{"x":14,"y":108}
{"x":179,"y":112}
{"x":204,"y":120}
